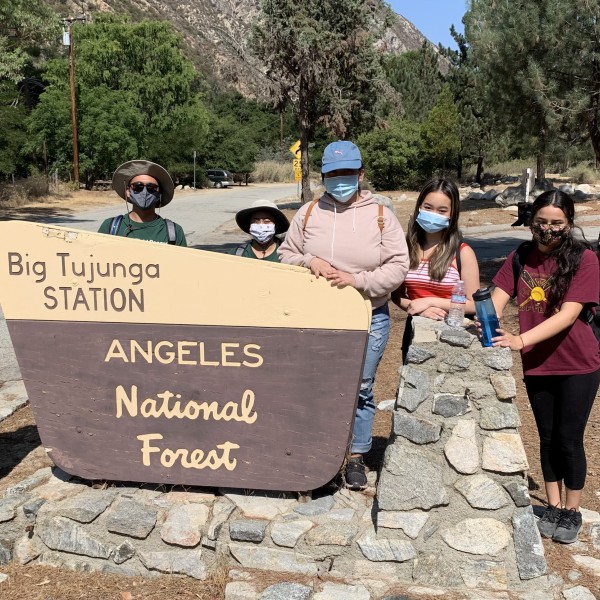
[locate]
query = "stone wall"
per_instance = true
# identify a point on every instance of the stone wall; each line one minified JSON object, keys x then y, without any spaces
{"x":451,"y":509}
{"x":453,"y":479}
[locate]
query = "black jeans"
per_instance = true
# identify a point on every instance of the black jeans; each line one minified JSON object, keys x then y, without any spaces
{"x":561,"y":405}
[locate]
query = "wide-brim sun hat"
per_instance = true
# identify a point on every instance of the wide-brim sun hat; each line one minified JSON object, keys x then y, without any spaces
{"x":127,"y":171}
{"x":341,"y":155}
{"x":243,"y":217}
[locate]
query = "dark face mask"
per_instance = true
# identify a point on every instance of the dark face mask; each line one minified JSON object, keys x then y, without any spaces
{"x":144,"y":199}
{"x":548,"y":234}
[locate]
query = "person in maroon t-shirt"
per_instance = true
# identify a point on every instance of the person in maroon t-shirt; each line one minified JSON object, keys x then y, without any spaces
{"x":561,"y":358}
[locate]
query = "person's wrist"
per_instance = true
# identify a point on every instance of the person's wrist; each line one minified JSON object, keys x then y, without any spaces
{"x":522,"y":342}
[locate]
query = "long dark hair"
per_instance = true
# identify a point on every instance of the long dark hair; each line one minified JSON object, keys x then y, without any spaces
{"x":446,"y":250}
{"x":569,"y":253}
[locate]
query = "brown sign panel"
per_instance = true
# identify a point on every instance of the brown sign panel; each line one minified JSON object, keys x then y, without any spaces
{"x":179,"y":384}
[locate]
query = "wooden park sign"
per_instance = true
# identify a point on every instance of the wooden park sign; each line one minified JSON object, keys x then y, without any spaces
{"x":149,"y":362}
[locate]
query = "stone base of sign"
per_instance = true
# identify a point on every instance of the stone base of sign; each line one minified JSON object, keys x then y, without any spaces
{"x":451,"y":511}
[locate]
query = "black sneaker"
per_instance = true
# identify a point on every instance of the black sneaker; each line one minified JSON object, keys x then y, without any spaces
{"x":549,"y":521}
{"x":356,"y":473}
{"x":568,"y":527}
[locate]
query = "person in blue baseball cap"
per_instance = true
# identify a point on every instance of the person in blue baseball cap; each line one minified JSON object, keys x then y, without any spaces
{"x":351,"y":240}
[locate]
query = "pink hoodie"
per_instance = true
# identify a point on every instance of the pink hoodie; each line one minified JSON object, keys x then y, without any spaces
{"x":348,"y":237}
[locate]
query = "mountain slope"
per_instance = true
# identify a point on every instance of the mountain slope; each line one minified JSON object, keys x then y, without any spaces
{"x":216,"y":32}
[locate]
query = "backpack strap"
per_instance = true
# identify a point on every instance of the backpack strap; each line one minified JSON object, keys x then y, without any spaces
{"x":307,"y":214}
{"x":239,"y":251}
{"x":115,"y":224}
{"x":172,"y":234}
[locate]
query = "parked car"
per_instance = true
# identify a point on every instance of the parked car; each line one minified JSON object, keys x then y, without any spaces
{"x":219,"y":177}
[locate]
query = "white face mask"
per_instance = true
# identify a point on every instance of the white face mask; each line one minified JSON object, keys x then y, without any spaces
{"x":262,"y":232}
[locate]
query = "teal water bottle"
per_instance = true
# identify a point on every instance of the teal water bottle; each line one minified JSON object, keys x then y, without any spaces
{"x":486,"y":313}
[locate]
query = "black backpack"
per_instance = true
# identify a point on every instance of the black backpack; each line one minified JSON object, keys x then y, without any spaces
{"x":588,"y":313}
{"x":116,"y":223}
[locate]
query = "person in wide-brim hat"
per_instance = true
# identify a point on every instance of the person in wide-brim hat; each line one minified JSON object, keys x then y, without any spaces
{"x":243,"y":217}
{"x":263,"y":221}
{"x":127,"y":171}
{"x":146,"y":186}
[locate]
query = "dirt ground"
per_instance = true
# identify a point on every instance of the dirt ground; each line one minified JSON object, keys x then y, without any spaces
{"x":21,"y":453}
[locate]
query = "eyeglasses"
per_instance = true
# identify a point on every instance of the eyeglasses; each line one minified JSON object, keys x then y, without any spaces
{"x":138,"y":187}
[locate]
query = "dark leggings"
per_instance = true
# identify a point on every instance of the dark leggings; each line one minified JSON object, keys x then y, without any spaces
{"x":561,"y":405}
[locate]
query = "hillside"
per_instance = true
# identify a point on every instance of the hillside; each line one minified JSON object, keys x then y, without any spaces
{"x":216,"y":33}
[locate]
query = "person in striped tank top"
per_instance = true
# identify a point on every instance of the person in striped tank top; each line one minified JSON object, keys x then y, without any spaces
{"x":438,"y":257}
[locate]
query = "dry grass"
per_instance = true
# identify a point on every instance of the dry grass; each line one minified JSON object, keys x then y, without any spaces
{"x":270,"y":171}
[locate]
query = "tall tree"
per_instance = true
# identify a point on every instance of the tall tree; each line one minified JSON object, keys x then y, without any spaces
{"x":475,"y":122}
{"x":416,"y":76}
{"x":541,"y":61}
{"x":441,"y":131}
{"x":27,"y":29}
{"x":320,"y":55}
{"x":136,"y":96}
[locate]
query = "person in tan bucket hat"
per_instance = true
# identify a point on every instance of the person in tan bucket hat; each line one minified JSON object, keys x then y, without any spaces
{"x":263,"y":221}
{"x":147,"y":186}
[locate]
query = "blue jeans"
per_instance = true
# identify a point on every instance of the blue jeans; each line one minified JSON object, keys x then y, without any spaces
{"x":365,"y":411}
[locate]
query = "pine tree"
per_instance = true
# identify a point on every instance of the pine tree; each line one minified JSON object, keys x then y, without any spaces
{"x":320,"y":55}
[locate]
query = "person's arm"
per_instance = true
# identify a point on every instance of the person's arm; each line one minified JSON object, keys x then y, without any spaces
{"x":563,"y":319}
{"x":469,"y":273}
{"x":105,"y":227}
{"x":291,"y":250}
{"x":180,"y":236}
{"x":582,"y":290}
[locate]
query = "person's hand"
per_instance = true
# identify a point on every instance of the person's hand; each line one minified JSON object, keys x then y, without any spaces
{"x":478,"y":327}
{"x":419,"y":306}
{"x":435,"y":313}
{"x":321,"y":268}
{"x":341,"y":279}
{"x":507,"y":340}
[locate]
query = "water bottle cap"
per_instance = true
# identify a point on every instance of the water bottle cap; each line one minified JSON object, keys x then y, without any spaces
{"x":482,"y":294}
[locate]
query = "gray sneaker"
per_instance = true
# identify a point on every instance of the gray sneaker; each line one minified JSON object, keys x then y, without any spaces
{"x":569,"y":525}
{"x":549,"y":521}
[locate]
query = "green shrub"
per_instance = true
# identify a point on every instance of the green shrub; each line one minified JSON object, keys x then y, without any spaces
{"x":582,"y":173}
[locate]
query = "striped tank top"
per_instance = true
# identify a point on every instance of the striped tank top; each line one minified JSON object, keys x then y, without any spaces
{"x":418,"y":284}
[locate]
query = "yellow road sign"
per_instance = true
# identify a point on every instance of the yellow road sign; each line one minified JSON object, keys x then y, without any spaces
{"x":297,"y":164}
{"x":298,"y":174}
{"x":295,"y":148}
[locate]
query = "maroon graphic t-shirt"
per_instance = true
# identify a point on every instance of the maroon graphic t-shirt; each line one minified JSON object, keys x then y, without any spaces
{"x":572,"y":351}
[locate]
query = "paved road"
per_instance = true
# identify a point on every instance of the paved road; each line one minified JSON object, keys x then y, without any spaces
{"x":200,"y":213}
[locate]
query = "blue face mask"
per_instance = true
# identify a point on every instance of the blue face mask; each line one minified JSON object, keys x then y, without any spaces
{"x":341,"y":188}
{"x":432,"y":222}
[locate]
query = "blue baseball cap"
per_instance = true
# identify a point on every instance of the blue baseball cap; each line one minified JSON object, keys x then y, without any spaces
{"x":341,"y":155}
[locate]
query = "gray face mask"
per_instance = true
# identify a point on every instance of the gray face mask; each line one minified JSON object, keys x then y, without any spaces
{"x":144,"y":199}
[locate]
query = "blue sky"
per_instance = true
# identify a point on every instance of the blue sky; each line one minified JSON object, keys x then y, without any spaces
{"x":433,"y":17}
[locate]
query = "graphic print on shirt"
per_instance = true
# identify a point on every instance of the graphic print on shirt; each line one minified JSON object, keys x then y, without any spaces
{"x":536,"y":285}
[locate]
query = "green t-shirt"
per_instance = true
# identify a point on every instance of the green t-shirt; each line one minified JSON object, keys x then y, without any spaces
{"x":153,"y":231}
{"x":247,"y":253}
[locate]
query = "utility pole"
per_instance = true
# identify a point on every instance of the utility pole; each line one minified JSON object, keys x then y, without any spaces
{"x":68,"y":40}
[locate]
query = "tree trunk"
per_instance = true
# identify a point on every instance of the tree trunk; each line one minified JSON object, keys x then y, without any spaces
{"x":541,"y":157}
{"x":459,"y":166}
{"x":479,"y":174}
{"x":593,"y":125}
{"x":305,"y":127}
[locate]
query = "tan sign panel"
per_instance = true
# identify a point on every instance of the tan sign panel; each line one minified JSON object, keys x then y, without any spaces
{"x":149,"y":362}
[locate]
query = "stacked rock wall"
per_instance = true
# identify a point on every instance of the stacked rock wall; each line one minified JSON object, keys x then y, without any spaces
{"x":454,"y":468}
{"x":451,"y":510}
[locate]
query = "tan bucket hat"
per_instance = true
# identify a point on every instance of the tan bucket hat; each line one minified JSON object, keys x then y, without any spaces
{"x":127,"y":171}
{"x":242,"y":217}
